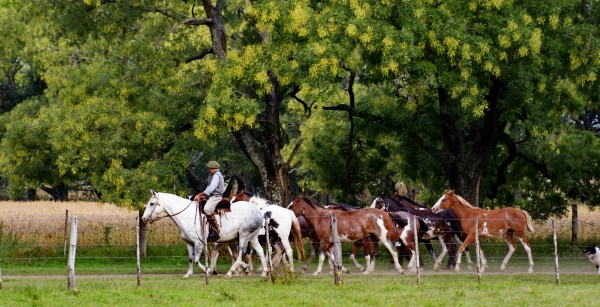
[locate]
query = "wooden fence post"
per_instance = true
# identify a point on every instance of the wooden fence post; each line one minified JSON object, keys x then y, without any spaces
{"x":66,"y":222}
{"x":555,"y":252}
{"x":72,"y":252}
{"x":205,"y":231}
{"x":477,"y":251}
{"x":137,"y":249}
{"x":417,"y":262}
{"x":337,"y":251}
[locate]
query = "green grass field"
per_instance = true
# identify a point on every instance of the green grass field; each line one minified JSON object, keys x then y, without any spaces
{"x":34,"y":271}
{"x":373,"y":290}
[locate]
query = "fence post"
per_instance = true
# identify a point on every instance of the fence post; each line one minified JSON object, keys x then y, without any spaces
{"x":417,"y":262}
{"x":205,"y":232}
{"x":66,"y":222}
{"x":137,"y":249}
{"x":269,"y":264}
{"x":555,"y":252}
{"x":337,"y":251}
{"x":72,"y":252}
{"x":0,"y":276}
{"x":477,"y":251}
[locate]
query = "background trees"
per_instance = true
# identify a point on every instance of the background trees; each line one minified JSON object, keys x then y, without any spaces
{"x":496,"y":100}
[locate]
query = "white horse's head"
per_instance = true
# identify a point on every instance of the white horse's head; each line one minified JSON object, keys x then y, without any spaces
{"x":153,"y":208}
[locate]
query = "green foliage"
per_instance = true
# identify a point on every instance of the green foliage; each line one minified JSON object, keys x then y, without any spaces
{"x":126,"y":106}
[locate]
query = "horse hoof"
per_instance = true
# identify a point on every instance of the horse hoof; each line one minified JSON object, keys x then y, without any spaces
{"x":316,"y":274}
{"x":457,"y":270}
{"x":186,"y":276}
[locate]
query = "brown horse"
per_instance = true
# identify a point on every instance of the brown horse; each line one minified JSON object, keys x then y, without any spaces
{"x":352,"y":226}
{"x":369,"y":244}
{"x":503,"y":222}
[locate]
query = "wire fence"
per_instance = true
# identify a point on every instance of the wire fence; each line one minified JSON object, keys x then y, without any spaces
{"x":35,"y":241}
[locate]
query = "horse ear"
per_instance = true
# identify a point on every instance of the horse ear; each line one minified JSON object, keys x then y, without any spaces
{"x":153,"y":192}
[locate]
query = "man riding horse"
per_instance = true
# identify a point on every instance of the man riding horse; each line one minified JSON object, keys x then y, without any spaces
{"x":214,"y":191}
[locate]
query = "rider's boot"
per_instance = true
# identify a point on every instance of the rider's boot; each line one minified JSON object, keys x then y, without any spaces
{"x":213,"y":234}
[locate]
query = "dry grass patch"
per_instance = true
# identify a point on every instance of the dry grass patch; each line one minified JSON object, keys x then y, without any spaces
{"x":589,"y":223}
{"x":43,"y":222}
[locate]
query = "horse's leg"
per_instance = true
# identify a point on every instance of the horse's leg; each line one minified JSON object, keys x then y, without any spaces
{"x":314,"y":246}
{"x":355,"y":248}
{"x":484,"y":263}
{"x":214,"y":256}
{"x":289,"y":252}
{"x":439,"y":259}
{"x":374,"y":253}
{"x":279,"y":253}
{"x":429,"y":248}
{"x":527,"y":248}
{"x":511,"y":249}
{"x":390,"y":246}
{"x":412,"y":263}
{"x":470,"y":238}
{"x":320,"y":265}
{"x":191,"y":258}
{"x":261,"y":255}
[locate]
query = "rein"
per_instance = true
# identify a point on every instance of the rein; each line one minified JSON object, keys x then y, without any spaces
{"x":169,"y":215}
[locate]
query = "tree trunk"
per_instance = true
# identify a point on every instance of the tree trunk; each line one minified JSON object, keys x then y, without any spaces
{"x":262,"y":143}
{"x":60,"y":192}
{"x":574,"y":224}
{"x":467,"y":150}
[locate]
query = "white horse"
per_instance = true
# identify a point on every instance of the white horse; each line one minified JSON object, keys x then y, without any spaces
{"x":283,"y":222}
{"x":243,"y":223}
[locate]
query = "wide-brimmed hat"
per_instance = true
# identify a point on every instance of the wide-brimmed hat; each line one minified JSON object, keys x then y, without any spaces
{"x":212,"y":164}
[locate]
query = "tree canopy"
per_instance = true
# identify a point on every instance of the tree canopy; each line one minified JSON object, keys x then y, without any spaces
{"x":495,"y":99}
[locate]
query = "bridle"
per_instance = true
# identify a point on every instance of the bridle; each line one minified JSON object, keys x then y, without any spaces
{"x":168,"y":215}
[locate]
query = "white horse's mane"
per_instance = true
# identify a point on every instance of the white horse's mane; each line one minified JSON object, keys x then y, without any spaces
{"x":463,"y":201}
{"x":260,"y":202}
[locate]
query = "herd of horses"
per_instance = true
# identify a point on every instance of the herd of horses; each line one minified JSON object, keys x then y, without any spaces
{"x":393,"y":221}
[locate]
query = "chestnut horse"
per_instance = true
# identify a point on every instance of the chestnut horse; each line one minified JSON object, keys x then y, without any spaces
{"x":503,"y":222}
{"x":352,"y":226}
{"x":369,"y":244}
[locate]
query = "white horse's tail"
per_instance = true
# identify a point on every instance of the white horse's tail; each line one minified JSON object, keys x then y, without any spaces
{"x":297,"y":237}
{"x":529,"y":220}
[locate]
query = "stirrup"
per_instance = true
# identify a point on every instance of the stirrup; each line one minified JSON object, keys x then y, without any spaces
{"x":213,"y":235}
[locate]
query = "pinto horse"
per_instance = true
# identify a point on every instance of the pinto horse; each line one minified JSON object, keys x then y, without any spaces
{"x":352,"y":226}
{"x":243,"y":223}
{"x":284,"y":224}
{"x":369,"y":244}
{"x":503,"y":222}
{"x":443,"y":226}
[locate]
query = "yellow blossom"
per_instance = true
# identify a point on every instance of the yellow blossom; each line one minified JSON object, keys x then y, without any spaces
{"x":554,"y":19}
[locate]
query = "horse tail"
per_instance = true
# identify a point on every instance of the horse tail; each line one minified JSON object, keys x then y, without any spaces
{"x":297,"y":237}
{"x":528,"y":219}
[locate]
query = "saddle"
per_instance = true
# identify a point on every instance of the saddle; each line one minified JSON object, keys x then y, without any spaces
{"x":223,"y":206}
